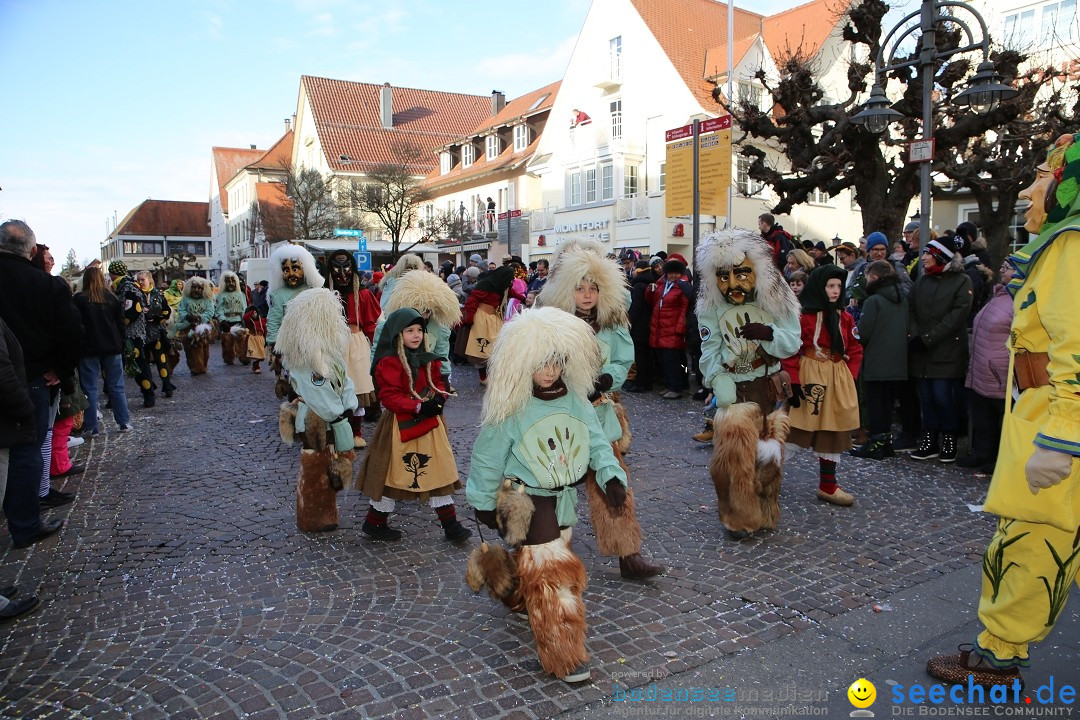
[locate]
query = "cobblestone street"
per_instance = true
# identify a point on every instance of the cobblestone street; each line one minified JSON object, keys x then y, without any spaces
{"x":179,"y":586}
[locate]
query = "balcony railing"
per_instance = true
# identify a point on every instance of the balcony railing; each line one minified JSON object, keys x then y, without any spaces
{"x":632,"y":207}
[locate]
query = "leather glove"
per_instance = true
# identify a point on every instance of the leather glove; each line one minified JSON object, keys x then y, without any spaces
{"x":602,"y":384}
{"x":430,"y":408}
{"x":343,"y":435}
{"x":488,"y":518}
{"x":916,"y":344}
{"x":226,"y":326}
{"x":616,"y":493}
{"x":797,"y":395}
{"x":193,"y":319}
{"x":755,"y":331}
{"x":1046,"y":468}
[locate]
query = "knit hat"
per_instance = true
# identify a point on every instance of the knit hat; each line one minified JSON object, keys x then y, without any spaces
{"x":472,"y":273}
{"x":475,"y":258}
{"x":674,"y":266}
{"x":641,"y":265}
{"x":912,"y":227}
{"x":820,"y":245}
{"x":940,"y":251}
{"x":655,"y":259}
{"x":876,"y":238}
{"x":117,"y":267}
{"x":452,"y":278}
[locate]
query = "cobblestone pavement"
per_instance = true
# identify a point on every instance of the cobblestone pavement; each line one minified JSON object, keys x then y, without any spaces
{"x":180,"y":587}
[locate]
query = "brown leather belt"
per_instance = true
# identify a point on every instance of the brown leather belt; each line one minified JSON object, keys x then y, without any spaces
{"x":1031,"y":370}
{"x":758,"y":362}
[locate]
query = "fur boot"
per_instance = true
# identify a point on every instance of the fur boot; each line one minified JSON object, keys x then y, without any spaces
{"x":513,"y":513}
{"x":624,"y":423}
{"x":492,"y":565}
{"x":552,"y":580}
{"x":228,"y":348}
{"x":339,"y":473}
{"x":316,"y":501}
{"x":197,"y":353}
{"x":287,"y":423}
{"x":618,"y":532}
{"x":746,"y":468}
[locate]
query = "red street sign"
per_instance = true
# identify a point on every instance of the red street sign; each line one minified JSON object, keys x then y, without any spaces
{"x":679,"y":133}
{"x":714,"y":124}
{"x":513,"y":214}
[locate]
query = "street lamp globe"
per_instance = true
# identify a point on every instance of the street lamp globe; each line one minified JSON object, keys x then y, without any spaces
{"x":985,"y":91}
{"x":876,"y":113}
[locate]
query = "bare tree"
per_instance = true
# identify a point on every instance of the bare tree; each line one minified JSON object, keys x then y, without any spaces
{"x":391,"y":194}
{"x":446,"y":225}
{"x":823,"y":150}
{"x":314,"y":210}
{"x":175,"y":265}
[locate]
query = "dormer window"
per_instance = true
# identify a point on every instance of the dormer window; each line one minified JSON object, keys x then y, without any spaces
{"x":492,"y":145}
{"x":468,"y":155}
{"x":521,"y":137}
{"x":444,"y":163}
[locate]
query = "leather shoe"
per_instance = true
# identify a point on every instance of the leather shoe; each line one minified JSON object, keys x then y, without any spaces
{"x":15,"y":608}
{"x":10,"y":591}
{"x":836,"y":497}
{"x":55,"y":498}
{"x":635,"y":567}
{"x":73,"y":470}
{"x":48,"y":528}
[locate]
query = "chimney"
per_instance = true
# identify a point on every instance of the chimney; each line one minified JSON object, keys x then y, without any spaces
{"x":288,"y":124}
{"x":386,"y":106}
{"x":498,"y":102}
{"x":252,"y":147}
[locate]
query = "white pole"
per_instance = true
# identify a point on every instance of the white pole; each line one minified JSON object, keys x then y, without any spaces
{"x":730,"y":91}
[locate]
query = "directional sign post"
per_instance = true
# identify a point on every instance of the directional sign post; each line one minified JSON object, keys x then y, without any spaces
{"x":361,"y":239}
{"x":363,"y":260}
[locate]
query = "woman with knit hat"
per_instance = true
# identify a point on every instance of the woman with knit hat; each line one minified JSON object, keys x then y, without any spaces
{"x":488,"y":300}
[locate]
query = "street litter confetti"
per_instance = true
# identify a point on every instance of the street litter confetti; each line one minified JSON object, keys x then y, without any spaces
{"x":884,"y":607}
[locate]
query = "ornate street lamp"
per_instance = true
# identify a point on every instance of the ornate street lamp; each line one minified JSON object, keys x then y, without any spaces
{"x":982,"y":95}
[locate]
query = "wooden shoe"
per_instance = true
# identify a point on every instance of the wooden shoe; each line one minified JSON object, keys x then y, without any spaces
{"x":837,"y":497}
{"x":956,"y":669}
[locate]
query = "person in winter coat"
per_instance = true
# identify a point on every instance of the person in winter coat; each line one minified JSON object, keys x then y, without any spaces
{"x":670,"y":300}
{"x":103,"y":345}
{"x":938,"y":346}
{"x":988,"y":375}
{"x":640,"y":316}
{"x":883,"y":333}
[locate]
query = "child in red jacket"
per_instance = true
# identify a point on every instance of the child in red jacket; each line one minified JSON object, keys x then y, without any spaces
{"x":256,"y":339}
{"x":825,"y":405}
{"x":409,"y":457}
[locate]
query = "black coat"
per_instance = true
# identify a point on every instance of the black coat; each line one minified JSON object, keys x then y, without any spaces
{"x":104,"y":324}
{"x":640,"y":312}
{"x":883,"y":327}
{"x":937,"y":312}
{"x":39,"y":310}
{"x":16,"y":408}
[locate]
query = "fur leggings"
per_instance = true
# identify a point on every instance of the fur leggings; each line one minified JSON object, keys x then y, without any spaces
{"x":618,"y":533}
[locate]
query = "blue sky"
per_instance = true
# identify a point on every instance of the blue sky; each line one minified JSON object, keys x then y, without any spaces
{"x":111,"y":102}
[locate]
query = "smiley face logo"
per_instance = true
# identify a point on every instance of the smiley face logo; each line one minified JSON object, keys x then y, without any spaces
{"x":862,"y":693}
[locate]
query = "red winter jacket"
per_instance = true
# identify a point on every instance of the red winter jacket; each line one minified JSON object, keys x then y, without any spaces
{"x":853,"y":349}
{"x":392,"y":382}
{"x":667,"y":327}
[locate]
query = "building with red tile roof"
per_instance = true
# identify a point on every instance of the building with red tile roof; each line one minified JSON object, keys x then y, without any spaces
{"x":155,"y":229}
{"x":245,"y":233}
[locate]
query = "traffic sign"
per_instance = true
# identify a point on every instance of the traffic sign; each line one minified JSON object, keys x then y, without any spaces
{"x":921,"y":150}
{"x":348,"y":232}
{"x":363,"y":260}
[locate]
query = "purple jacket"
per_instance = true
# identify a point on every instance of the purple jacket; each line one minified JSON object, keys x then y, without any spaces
{"x":988,"y":373}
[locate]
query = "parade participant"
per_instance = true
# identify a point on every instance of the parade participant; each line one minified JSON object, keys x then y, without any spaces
{"x":1030,"y":564}
{"x":410,"y":456}
{"x":158,"y":345}
{"x":361,"y":312}
{"x":137,"y":364}
{"x":437,"y":303}
{"x":312,"y":342}
{"x":229,"y":308}
{"x":748,"y":320}
{"x":583,"y":282}
{"x":539,"y":432}
{"x":482,"y":316}
{"x":824,"y":403}
{"x":256,"y":327}
{"x":406,"y":263}
{"x":292,"y":270}
{"x":174,"y":293}
{"x":193,"y":323}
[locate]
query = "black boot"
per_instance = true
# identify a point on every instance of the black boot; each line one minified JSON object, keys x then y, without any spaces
{"x":454,"y":530}
{"x":928,"y":446}
{"x":948,"y":448}
{"x":375,"y":526}
{"x":878,"y":447}
{"x":148,"y":399}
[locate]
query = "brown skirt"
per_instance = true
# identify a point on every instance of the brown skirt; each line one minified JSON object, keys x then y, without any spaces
{"x":376,"y":466}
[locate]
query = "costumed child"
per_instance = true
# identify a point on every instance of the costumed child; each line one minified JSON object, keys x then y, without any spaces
{"x":482,"y":317}
{"x":539,"y":438}
{"x":409,"y":457}
{"x":193,"y":323}
{"x":824,"y":403}
{"x":584,"y":282}
{"x":256,"y":341}
{"x":438,"y":304}
{"x":361,"y":311}
{"x":312,"y":344}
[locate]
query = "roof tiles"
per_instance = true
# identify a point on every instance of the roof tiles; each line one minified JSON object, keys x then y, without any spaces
{"x":228,"y":162}
{"x":170,"y":218}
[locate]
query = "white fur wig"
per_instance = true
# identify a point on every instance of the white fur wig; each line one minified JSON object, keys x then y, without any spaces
{"x":570,"y":268}
{"x":725,"y":248}
{"x":288,"y":251}
{"x":575,"y":244}
{"x":535,"y":338}
{"x":423,"y":291}
{"x":405,"y":264}
{"x":227,"y":274}
{"x":313,"y":334}
{"x":207,"y":287}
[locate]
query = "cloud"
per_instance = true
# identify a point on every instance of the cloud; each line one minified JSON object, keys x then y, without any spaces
{"x":215,"y":25}
{"x":527,"y":71}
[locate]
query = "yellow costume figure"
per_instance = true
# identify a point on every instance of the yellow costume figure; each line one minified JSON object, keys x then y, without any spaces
{"x":1034,"y":557}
